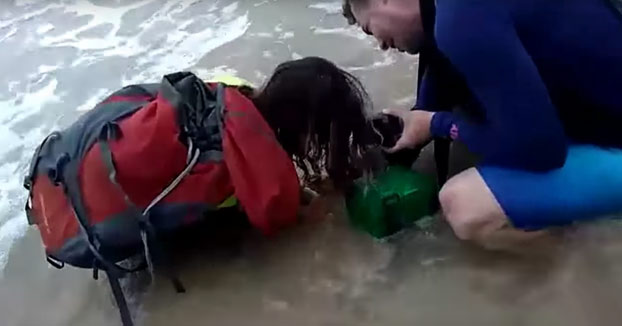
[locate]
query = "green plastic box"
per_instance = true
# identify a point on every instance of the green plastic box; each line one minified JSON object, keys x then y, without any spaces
{"x":394,"y":200}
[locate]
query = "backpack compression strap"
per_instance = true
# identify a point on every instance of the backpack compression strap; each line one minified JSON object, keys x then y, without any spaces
{"x":154,"y":253}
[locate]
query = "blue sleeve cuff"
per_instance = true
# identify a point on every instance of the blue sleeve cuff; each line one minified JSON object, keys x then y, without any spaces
{"x":441,"y":124}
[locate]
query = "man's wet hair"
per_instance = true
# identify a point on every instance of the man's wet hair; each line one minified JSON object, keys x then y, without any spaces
{"x":319,"y":115}
{"x":347,"y":9}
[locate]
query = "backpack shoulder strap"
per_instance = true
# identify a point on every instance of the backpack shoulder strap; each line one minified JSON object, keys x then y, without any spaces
{"x":154,"y":253}
{"x":119,"y":297}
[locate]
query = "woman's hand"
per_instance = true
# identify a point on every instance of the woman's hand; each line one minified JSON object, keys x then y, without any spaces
{"x":416,"y":128}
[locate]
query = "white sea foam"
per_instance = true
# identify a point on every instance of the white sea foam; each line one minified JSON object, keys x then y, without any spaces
{"x":93,"y":100}
{"x":332,"y":7}
{"x":26,"y":104}
{"x":262,"y":35}
{"x":21,"y":3}
{"x":13,"y":229}
{"x":261,"y":3}
{"x":45,"y":28}
{"x":388,"y":58}
{"x":180,"y":50}
{"x":44,"y":69}
{"x":11,"y":32}
{"x":286,"y":35}
{"x":350,"y":31}
{"x":207,"y":74}
{"x":28,"y":16}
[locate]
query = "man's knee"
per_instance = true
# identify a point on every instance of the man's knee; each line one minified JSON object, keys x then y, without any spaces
{"x":469,"y":206}
{"x":451,"y":197}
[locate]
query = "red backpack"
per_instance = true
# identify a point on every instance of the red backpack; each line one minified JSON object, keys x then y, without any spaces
{"x":150,"y":159}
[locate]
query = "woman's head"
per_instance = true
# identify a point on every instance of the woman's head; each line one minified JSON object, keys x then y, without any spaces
{"x":318,"y":113}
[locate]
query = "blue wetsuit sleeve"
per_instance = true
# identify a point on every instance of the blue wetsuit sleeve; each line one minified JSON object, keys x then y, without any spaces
{"x":427,"y":93}
{"x":521,"y":129}
{"x":439,"y":88}
{"x":442,"y":123}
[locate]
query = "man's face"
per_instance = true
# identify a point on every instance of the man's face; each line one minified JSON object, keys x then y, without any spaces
{"x":394,"y":23}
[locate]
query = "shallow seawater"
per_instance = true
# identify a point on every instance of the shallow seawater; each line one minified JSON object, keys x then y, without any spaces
{"x":60,"y":57}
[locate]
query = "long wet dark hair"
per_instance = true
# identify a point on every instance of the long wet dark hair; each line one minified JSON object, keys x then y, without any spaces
{"x":319,"y":115}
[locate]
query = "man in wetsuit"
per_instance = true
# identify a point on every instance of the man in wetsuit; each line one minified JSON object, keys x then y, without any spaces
{"x":536,"y":90}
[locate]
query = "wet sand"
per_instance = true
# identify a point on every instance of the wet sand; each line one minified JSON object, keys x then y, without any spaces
{"x":325,"y":273}
{"x":321,"y":273}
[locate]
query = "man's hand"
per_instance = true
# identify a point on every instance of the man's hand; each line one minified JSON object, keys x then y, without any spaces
{"x":416,"y":128}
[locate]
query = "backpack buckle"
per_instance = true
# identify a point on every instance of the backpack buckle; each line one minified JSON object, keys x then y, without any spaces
{"x":28,"y":182}
{"x":28,"y":209}
{"x":55,"y":262}
{"x":56,"y":174}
